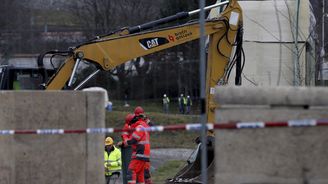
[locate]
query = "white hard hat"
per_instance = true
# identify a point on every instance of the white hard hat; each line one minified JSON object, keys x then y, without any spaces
{"x":181,"y":94}
{"x":188,"y":96}
{"x":164,"y":95}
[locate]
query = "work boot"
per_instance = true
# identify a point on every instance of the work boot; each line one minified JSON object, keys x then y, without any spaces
{"x":148,"y":181}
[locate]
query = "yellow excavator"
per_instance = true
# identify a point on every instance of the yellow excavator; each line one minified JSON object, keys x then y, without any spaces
{"x":109,"y":51}
{"x":224,"y":50}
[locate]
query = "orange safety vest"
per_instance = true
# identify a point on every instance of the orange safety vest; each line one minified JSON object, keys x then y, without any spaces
{"x":140,"y":142}
{"x":126,"y":135}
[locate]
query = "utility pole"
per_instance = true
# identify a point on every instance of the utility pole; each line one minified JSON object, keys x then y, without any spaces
{"x":322,"y":54}
{"x":296,"y":81}
{"x":202,"y":70}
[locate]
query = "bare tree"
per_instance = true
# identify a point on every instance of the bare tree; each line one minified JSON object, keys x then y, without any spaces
{"x":169,"y":66}
{"x":14,"y":26}
{"x":103,"y":16}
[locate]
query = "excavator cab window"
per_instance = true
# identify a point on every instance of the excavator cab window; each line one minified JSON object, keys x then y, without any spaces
{"x":83,"y":71}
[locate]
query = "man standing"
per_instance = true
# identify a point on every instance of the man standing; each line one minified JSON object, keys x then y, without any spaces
{"x":182,"y":102}
{"x":126,"y":135}
{"x":140,"y":151}
{"x":112,"y":157}
{"x":140,"y":114}
{"x":166,"y":102}
{"x":188,"y":104}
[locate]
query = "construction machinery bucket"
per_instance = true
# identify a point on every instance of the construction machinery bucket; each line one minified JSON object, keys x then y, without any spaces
{"x":191,"y":172}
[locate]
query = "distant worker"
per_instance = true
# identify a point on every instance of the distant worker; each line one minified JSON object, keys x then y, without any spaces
{"x":166,"y":102}
{"x":140,"y":151}
{"x":182,"y":103}
{"x":188,"y":104}
{"x":126,"y":104}
{"x":113,"y":163}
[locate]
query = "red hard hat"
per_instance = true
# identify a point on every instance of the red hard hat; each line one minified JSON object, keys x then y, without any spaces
{"x":128,"y":118}
{"x":138,"y":110}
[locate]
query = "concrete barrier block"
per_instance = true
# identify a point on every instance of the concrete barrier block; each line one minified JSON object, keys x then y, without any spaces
{"x":67,"y":158}
{"x":279,"y":156}
{"x":95,"y":118}
{"x":293,"y":96}
{"x":7,"y":171}
{"x":271,"y":155}
{"x":6,"y":110}
{"x":248,"y":113}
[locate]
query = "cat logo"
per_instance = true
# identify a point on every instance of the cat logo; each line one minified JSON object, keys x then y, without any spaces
{"x":152,"y":43}
{"x":149,"y":43}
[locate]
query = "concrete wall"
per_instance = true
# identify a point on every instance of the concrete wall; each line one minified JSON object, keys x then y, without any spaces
{"x":273,"y":155}
{"x":68,"y":158}
{"x":269,"y":43}
{"x":267,"y":65}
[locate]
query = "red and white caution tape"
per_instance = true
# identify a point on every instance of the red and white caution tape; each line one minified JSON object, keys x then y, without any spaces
{"x":290,"y":123}
{"x":188,"y":127}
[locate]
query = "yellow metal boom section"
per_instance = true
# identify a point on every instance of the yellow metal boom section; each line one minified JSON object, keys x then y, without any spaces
{"x":114,"y":50}
{"x":219,"y":55}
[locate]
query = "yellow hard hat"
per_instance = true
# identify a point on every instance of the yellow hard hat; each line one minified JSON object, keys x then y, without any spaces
{"x":109,"y":141}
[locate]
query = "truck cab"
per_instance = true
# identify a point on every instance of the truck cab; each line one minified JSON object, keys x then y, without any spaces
{"x":22,"y":78}
{"x":22,"y":72}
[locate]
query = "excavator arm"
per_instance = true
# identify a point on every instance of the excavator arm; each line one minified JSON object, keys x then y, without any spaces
{"x":109,"y":53}
{"x":117,"y":48}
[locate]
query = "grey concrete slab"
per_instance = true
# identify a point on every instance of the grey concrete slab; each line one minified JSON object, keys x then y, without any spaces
{"x":272,"y":155}
{"x":279,"y":156}
{"x":68,"y":158}
{"x":7,"y":171}
{"x":95,"y":118}
{"x":313,"y":96}
{"x":247,"y":113}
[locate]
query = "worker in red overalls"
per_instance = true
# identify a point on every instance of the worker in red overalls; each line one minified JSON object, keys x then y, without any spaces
{"x":126,"y":134}
{"x":139,"y":141}
{"x":140,"y":113}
